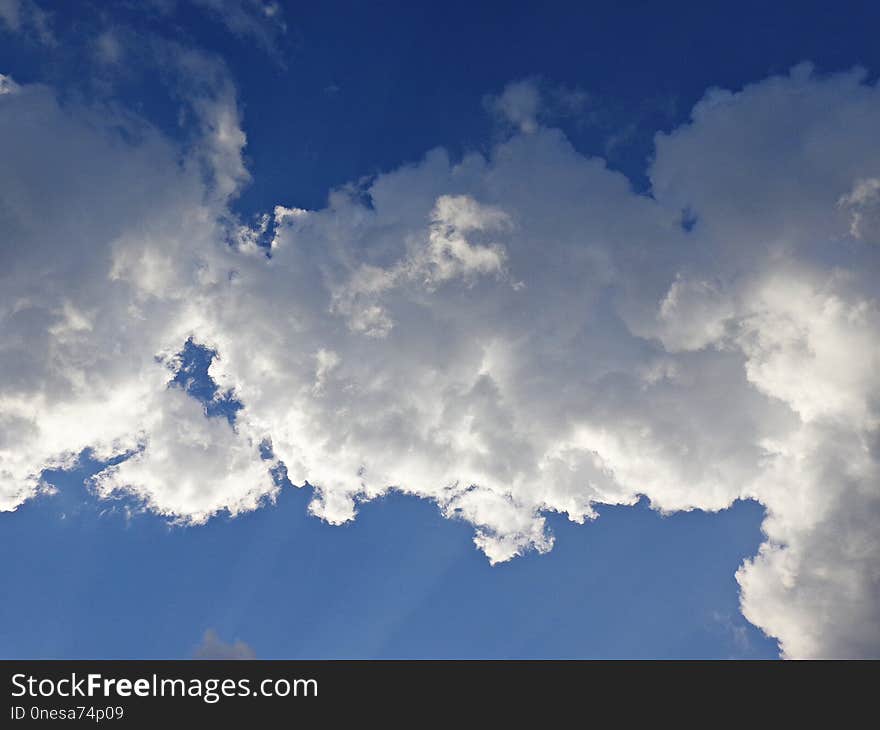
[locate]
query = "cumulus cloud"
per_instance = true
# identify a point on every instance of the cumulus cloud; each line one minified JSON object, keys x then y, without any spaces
{"x":93,"y":303}
{"x":506,"y":335}
{"x":213,"y":647}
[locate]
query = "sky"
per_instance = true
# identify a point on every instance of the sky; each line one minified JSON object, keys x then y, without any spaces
{"x":387,"y":330}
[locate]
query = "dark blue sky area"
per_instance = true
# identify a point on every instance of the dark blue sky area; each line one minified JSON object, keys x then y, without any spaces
{"x":370,"y":85}
{"x":361,"y":87}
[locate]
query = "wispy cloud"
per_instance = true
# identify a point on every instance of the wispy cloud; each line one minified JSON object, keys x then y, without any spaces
{"x":213,"y":647}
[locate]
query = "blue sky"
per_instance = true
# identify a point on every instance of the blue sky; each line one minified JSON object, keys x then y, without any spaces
{"x":537,"y":103}
{"x":384,"y":83}
{"x":399,"y":582}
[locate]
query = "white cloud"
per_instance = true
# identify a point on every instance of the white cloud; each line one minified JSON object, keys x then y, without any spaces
{"x":524,"y":104}
{"x":108,"y":47}
{"x":258,"y":20}
{"x":207,"y":93}
{"x":440,"y":256}
{"x":518,"y":104}
{"x":10,"y":13}
{"x":507,"y":335}
{"x":26,"y":17}
{"x":189,"y":466}
{"x":93,"y":292}
{"x":7,"y":85}
{"x":213,"y":647}
{"x":863,"y":204}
